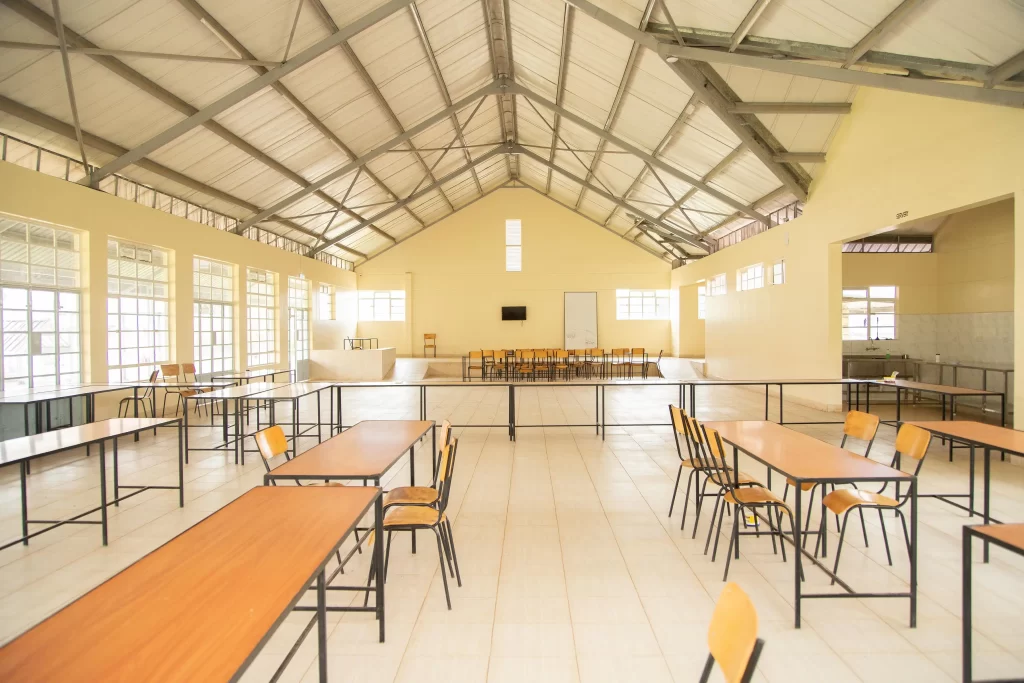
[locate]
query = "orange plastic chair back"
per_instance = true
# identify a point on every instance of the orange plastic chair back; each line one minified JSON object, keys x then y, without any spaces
{"x":732,"y":635}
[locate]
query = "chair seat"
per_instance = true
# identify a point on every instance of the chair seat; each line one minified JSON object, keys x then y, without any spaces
{"x":411,"y":516}
{"x":841,"y":500}
{"x":806,"y":486}
{"x":411,"y":495}
{"x":754,"y":495}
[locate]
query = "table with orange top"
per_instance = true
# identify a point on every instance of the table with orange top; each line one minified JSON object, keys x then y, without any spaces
{"x":803,"y":458}
{"x":201,"y":606}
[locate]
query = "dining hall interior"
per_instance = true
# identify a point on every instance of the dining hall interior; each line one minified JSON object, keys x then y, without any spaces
{"x":569,"y":341}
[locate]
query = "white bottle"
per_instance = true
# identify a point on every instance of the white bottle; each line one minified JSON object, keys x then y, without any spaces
{"x":938,"y":358}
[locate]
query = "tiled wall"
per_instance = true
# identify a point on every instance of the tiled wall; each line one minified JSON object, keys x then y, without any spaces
{"x":958,"y":337}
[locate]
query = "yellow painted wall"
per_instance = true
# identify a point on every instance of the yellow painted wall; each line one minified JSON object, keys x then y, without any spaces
{"x":915,"y":275}
{"x":895,"y":153}
{"x":455,"y":279}
{"x":691,"y":328}
{"x":28,"y":195}
{"x":975,"y":260}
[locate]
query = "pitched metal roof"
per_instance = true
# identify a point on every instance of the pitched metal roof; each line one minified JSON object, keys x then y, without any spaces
{"x":349,"y":126}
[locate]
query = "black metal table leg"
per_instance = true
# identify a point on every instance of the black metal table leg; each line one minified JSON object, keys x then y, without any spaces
{"x":412,"y":482}
{"x":898,"y":402}
{"x":295,"y":427}
{"x":181,"y":466}
{"x":433,"y":450}
{"x":971,"y":478}
{"x":597,"y":409}
{"x":987,"y":488}
{"x":867,"y":398}
{"x":24,"y":502}
{"x":913,"y":553}
{"x":117,"y":487}
{"x":782,"y":421}
{"x":797,"y":546}
{"x":965,"y":611}
{"x":224,"y":415}
{"x":321,"y":622}
{"x":103,"y":490}
{"x":378,"y":560}
{"x":604,"y":425}
{"x":766,"y":402}
{"x":185,"y":418}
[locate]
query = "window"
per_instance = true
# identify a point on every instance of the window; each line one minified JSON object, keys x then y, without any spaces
{"x":138,"y":310}
{"x":869,"y":313}
{"x":702,"y":302}
{"x":298,"y":319}
{"x":513,"y":245}
{"x":779,"y":272}
{"x":260,"y":318}
{"x":641,"y":304}
{"x":40,"y":306}
{"x":382,"y":306}
{"x":717,"y":286}
{"x":213,"y":315}
{"x":325,"y":302}
{"x":751,"y":277}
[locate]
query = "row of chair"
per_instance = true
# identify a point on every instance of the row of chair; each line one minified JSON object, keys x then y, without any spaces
{"x":518,"y":364}
{"x":169,"y":374}
{"x":705,"y":457}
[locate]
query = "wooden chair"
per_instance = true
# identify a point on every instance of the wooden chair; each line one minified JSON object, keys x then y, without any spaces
{"x":171,"y":372}
{"x":595,"y":362}
{"x":487,"y":356}
{"x":501,"y":363}
{"x":912,"y":442}
{"x":542,"y":362}
{"x":657,"y":364}
{"x":421,"y":495}
{"x":579,"y":361}
{"x":858,"y":425}
{"x":475,"y":362}
{"x":620,"y":361}
{"x":147,"y":397}
{"x":419,"y":517}
{"x":638,"y":361}
{"x":732,"y":637}
{"x":561,"y":364}
{"x":429,"y":342}
{"x":742,"y":498}
{"x":190,"y":369}
{"x":524,"y":363}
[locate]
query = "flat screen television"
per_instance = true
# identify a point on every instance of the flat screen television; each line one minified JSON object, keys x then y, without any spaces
{"x":513,"y":312}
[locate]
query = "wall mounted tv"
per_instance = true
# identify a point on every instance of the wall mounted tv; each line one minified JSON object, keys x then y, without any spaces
{"x":513,"y":312}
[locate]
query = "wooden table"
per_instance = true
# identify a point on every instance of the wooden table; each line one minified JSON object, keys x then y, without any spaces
{"x":989,"y":438}
{"x":1007,"y":536}
{"x":26,"y":448}
{"x":804,"y":459}
{"x":950,"y":392}
{"x":293,"y":393}
{"x":35,"y":399}
{"x":200,"y":607}
{"x":363,"y":452}
{"x":249,"y":375}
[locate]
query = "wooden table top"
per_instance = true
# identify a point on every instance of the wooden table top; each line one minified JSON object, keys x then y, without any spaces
{"x":980,"y":433}
{"x":367,"y":450}
{"x":1011,"y":535}
{"x":199,"y":607}
{"x":36,"y":445}
{"x":240,"y":391}
{"x":296,"y":390}
{"x":937,"y":388}
{"x":53,"y":393}
{"x":800,"y":456}
{"x":248,"y":374}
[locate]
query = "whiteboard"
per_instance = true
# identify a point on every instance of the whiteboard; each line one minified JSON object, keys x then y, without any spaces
{"x":580,"y":320}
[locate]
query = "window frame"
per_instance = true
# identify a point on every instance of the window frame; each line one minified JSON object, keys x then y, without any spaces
{"x":299,"y":306}
{"x":213,"y":306}
{"x":325,"y":297}
{"x":717,"y":285}
{"x":261,"y":299}
{"x":64,"y":264}
{"x":642,"y":304}
{"x":392,"y":296}
{"x":870,"y":295}
{"x":702,"y":302}
{"x":159,"y":309}
{"x":513,"y":245}
{"x":778,"y":272}
{"x":750,"y":277}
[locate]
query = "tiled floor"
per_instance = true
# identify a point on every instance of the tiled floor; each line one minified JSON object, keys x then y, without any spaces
{"x":571,"y":569}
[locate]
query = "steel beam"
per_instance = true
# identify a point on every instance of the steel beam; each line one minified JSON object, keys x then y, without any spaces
{"x":709,"y":90}
{"x":361,"y":161}
{"x":890,"y":22}
{"x":59,"y":25}
{"x":563,"y":66}
{"x":105,"y":146}
{"x":635,"y":151}
{"x":208,"y":20}
{"x":411,"y":198}
{"x":613,"y":111}
{"x":114,"y":65}
{"x":791,"y":108}
{"x":1011,"y":67}
{"x":497,"y":74}
{"x":247,"y":90}
{"x":708,"y":177}
{"x":677,"y":125}
{"x":748,"y":23}
{"x":774,"y":194}
{"x":688,"y":239}
{"x":441,"y":86}
{"x":232,"y":61}
{"x":801,"y":157}
{"x":918,"y":86}
{"x":579,"y":213}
